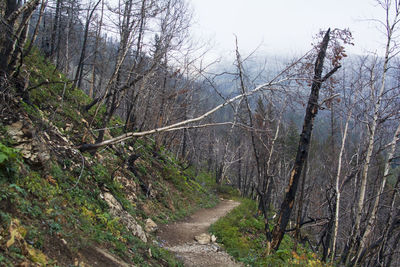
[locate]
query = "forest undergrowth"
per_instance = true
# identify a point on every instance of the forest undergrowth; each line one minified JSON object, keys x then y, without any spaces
{"x":54,"y":209}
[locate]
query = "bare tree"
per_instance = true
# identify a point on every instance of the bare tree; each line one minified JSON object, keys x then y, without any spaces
{"x":79,"y":69}
{"x":390,"y":27}
{"x":304,"y":144}
{"x":13,"y":30}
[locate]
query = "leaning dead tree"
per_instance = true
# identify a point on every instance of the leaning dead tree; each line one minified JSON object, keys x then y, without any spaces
{"x":304,"y":144}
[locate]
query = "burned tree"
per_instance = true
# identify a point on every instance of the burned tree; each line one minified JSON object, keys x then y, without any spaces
{"x":304,"y":144}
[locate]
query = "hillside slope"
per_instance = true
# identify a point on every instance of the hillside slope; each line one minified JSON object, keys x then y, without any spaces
{"x":61,"y":207}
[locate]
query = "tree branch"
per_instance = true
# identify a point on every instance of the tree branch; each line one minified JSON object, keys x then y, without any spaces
{"x":86,"y":147}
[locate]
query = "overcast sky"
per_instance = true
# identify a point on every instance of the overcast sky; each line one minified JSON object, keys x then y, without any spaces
{"x":284,"y":27}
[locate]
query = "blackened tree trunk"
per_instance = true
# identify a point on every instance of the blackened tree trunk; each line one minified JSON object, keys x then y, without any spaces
{"x":300,"y":204}
{"x":304,"y":145}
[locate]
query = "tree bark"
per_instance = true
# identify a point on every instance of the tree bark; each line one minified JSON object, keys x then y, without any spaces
{"x":79,"y":70}
{"x":371,"y":139}
{"x":54,"y":33}
{"x":374,"y":211}
{"x":9,"y":36}
{"x":304,"y":144}
{"x":386,"y":232}
{"x":337,"y":187}
{"x":243,"y":91}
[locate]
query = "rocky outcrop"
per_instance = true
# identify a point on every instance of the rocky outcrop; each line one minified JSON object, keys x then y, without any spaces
{"x":127,"y":219}
{"x":150,"y":226}
{"x":129,"y":186}
{"x":31,"y":145}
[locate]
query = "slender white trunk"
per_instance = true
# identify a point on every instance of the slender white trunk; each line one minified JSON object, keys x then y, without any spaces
{"x":337,"y":186}
{"x":372,"y":218}
{"x":371,"y":139}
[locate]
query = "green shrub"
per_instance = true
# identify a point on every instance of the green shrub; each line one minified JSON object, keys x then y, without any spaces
{"x":228,"y":191}
{"x":9,"y":163}
{"x":242,"y":234}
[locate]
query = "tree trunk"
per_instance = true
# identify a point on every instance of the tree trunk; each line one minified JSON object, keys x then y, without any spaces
{"x":300,"y":205}
{"x":374,"y":211}
{"x":79,"y":69}
{"x":304,"y":144}
{"x":386,"y":232}
{"x":11,"y":38}
{"x":243,"y":91}
{"x":371,"y":139}
{"x":56,"y":25}
{"x":337,"y":187}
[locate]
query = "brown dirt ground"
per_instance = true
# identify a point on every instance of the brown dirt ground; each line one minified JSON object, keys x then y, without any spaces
{"x":178,"y":237}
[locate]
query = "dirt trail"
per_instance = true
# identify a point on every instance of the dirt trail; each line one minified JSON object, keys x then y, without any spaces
{"x":178,"y":237}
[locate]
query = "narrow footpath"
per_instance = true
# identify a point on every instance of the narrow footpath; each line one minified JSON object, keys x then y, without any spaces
{"x":179,"y":237}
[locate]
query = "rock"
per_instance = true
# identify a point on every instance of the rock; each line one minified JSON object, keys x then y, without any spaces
{"x":42,"y":151}
{"x":129,"y":186}
{"x":215,"y":247}
{"x":64,"y":241}
{"x":213,"y":239}
{"x":133,"y":226}
{"x":150,"y":226}
{"x":68,"y":127}
{"x":15,"y":129}
{"x":127,"y":219}
{"x":112,"y":203}
{"x":203,"y":239}
{"x":26,"y":149}
{"x":31,"y":146}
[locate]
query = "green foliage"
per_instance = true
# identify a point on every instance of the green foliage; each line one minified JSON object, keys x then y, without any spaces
{"x":58,"y":200}
{"x":205,"y":179}
{"x":242,"y":234}
{"x":9,"y":163}
{"x":100,"y":173}
{"x":230,"y":230}
{"x":39,"y":187}
{"x":228,"y":191}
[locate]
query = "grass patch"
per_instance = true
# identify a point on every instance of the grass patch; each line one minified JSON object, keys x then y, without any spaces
{"x":242,"y":234}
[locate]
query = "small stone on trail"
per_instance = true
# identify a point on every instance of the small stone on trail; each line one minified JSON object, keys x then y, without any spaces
{"x":213,"y":238}
{"x":203,"y":239}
